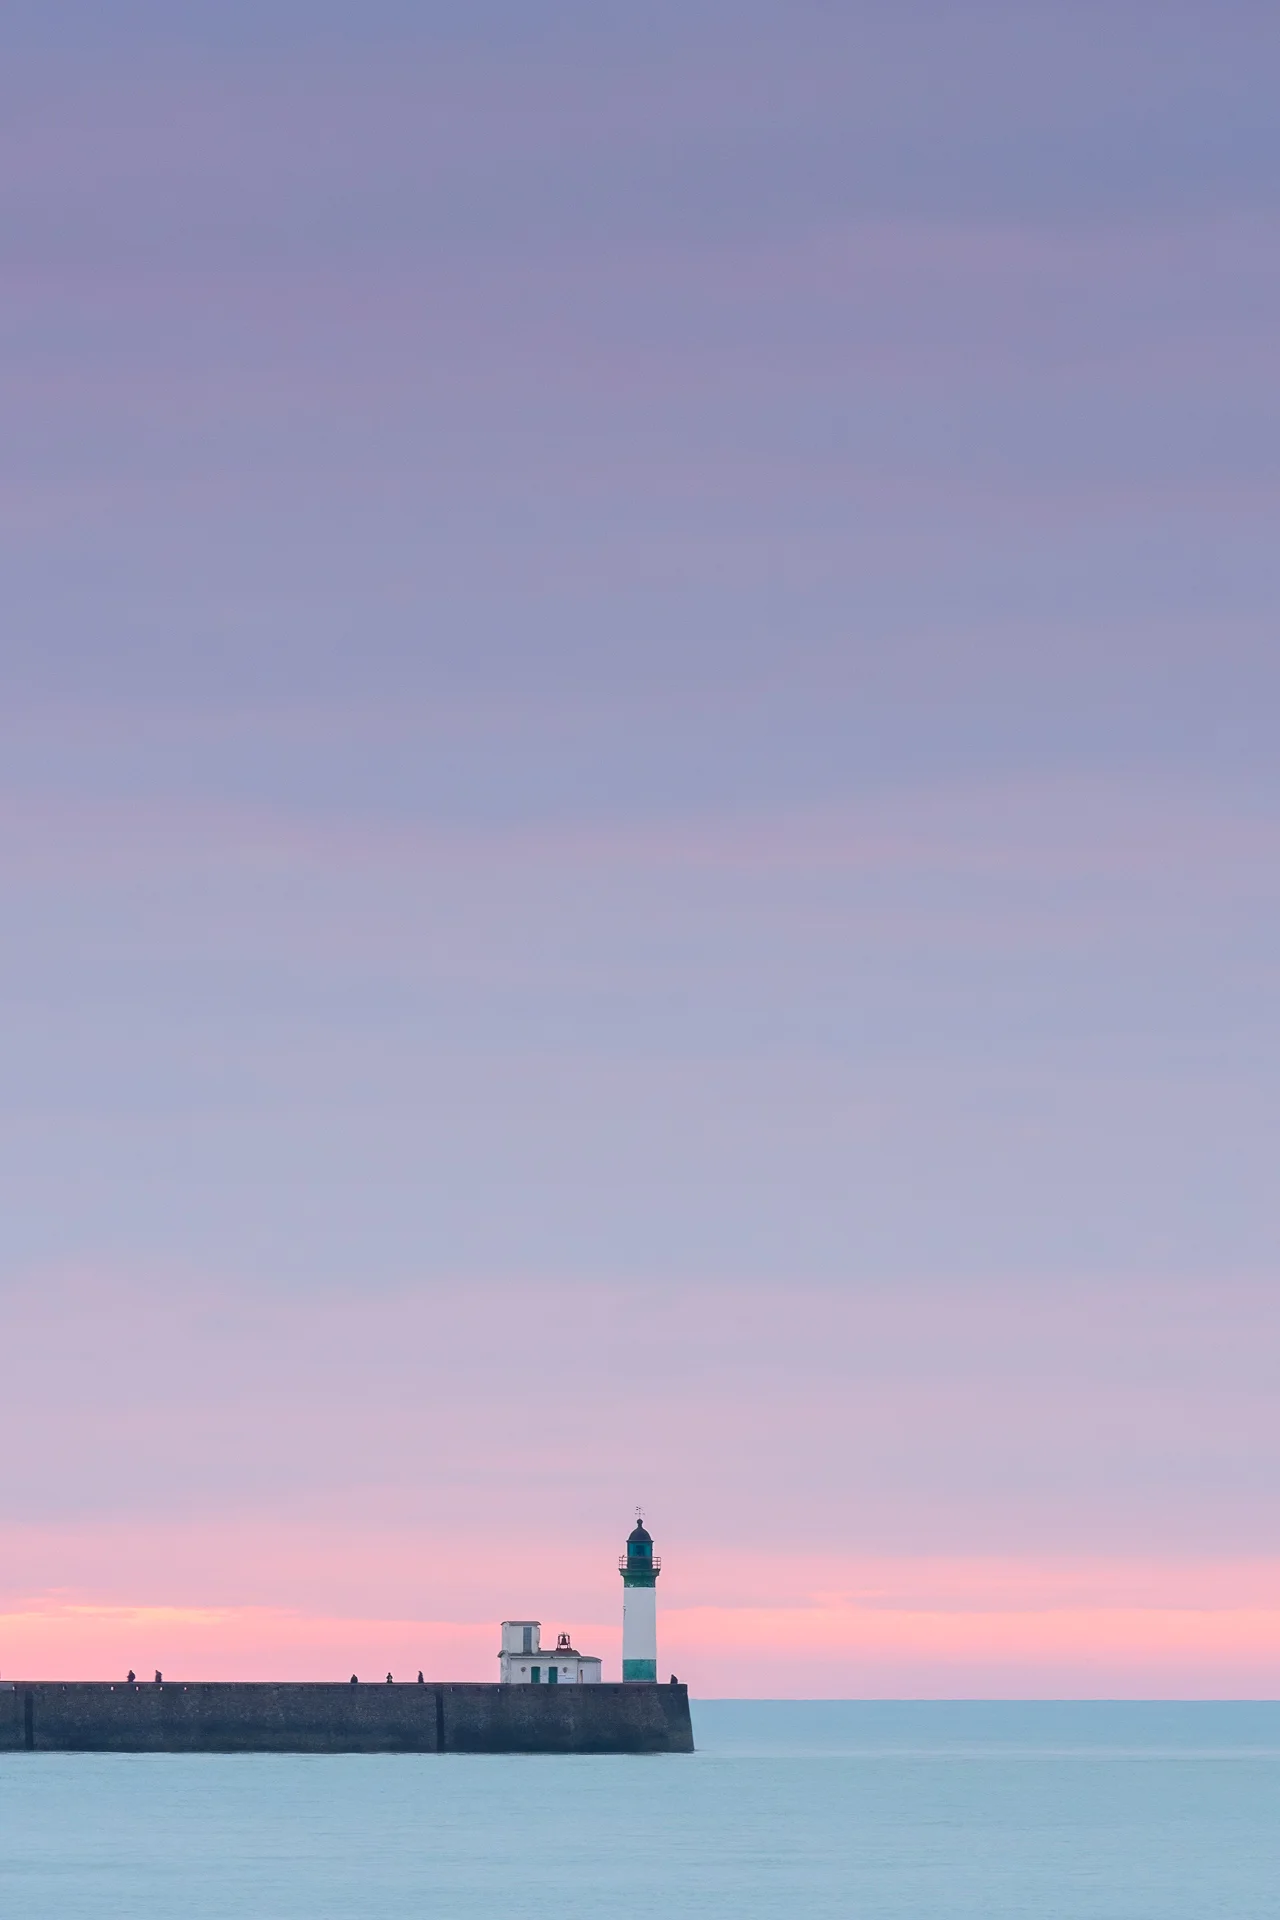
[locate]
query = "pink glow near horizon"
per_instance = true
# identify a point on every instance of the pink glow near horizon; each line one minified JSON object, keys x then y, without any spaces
{"x":851,"y":1651}
{"x":329,"y":1549}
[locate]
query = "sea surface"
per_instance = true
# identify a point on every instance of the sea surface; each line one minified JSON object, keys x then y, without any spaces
{"x":889,"y":1810}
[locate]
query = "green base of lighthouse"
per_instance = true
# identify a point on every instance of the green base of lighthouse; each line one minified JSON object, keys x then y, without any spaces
{"x":640,"y":1670}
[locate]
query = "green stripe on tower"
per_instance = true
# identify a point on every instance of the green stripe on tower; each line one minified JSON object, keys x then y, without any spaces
{"x":640,"y":1670}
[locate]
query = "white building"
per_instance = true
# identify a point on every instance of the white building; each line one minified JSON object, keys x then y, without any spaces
{"x":525,"y":1662}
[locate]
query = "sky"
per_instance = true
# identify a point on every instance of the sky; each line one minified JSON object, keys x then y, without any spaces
{"x":640,"y":839}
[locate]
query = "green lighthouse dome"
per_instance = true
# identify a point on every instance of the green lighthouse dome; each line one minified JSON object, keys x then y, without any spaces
{"x":639,"y":1565}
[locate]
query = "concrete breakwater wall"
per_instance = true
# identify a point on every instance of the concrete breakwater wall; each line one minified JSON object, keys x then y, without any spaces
{"x":222,"y":1716}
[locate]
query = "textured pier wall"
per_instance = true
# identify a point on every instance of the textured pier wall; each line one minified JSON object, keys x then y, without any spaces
{"x":95,"y":1716}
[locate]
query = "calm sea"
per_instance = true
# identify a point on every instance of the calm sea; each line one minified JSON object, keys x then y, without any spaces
{"x":795,"y":1809}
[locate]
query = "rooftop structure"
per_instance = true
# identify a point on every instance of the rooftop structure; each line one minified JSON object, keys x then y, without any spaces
{"x":524,"y":1662}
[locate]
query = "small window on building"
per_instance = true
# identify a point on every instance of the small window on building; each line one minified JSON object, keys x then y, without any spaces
{"x":528,"y":1641}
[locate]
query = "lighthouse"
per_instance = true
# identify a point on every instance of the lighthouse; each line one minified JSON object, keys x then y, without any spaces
{"x":639,"y":1567}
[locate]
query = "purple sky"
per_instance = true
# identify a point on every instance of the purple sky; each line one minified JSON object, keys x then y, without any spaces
{"x":639,"y":841}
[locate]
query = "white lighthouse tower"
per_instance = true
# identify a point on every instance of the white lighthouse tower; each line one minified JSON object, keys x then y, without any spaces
{"x":639,"y":1567}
